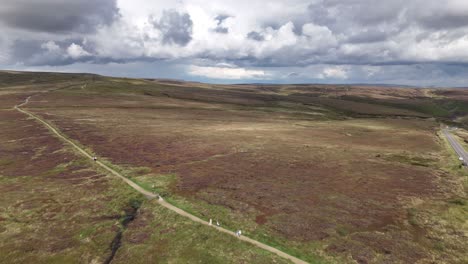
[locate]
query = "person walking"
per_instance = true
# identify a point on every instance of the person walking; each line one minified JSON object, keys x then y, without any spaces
{"x":211,"y":222}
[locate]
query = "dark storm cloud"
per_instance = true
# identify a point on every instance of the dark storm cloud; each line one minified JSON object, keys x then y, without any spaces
{"x":365,"y":16}
{"x":58,"y":16}
{"x":34,"y":53}
{"x":341,"y":15}
{"x":368,"y":36}
{"x":363,"y":12}
{"x":439,"y":21}
{"x":176,"y":27}
{"x":23,"y":50}
{"x":255,"y":36}
{"x":219,"y":27}
{"x":222,"y":30}
{"x":220,"y":18}
{"x":320,"y":15}
{"x":292,"y":75}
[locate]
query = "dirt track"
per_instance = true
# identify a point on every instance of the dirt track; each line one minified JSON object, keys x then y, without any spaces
{"x":151,"y":195}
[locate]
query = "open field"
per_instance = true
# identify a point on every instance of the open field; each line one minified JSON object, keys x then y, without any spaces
{"x":57,"y":207}
{"x":326,"y":173}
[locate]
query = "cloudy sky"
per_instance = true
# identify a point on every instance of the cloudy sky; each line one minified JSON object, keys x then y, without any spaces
{"x":416,"y":42}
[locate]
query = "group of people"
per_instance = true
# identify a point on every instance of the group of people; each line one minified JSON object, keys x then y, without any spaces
{"x":211,"y":222}
{"x":238,"y":232}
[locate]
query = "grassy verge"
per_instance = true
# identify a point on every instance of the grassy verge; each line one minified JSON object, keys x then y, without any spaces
{"x":411,"y":160}
{"x":445,"y":219}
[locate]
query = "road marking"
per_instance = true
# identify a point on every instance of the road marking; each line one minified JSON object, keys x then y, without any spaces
{"x":151,"y":195}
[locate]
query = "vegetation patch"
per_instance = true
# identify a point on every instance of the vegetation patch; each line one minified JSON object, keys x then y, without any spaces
{"x":412,"y":160}
{"x":337,"y":174}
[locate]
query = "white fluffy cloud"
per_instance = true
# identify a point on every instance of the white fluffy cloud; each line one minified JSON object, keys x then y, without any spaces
{"x":309,"y":31}
{"x":76,"y":51}
{"x":228,"y":73}
{"x":333,"y":73}
{"x":51,"y":46}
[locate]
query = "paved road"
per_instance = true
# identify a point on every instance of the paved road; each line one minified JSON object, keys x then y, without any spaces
{"x":151,"y":195}
{"x":456,"y":145}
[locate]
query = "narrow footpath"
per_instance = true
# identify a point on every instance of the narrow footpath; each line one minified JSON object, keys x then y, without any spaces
{"x":151,"y":195}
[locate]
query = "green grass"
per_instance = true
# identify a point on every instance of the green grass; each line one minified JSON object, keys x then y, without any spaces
{"x":463,"y":121}
{"x":55,"y":171}
{"x":425,"y":106}
{"x":160,"y":184}
{"x":171,"y":238}
{"x":458,"y":201}
{"x":412,"y":160}
{"x":5,"y":162}
{"x":442,"y":108}
{"x":37,"y":78}
{"x":446,"y":219}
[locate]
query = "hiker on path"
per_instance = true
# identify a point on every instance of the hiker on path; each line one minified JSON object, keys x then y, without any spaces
{"x":95,"y":158}
{"x":211,"y":221}
{"x":217,"y":223}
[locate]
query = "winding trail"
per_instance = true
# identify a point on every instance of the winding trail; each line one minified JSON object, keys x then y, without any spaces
{"x":151,"y":195}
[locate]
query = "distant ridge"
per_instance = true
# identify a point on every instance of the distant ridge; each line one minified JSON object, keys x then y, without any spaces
{"x":335,"y":84}
{"x":181,"y":81}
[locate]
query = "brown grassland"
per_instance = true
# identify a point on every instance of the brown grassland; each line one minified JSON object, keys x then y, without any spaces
{"x":330,"y":174}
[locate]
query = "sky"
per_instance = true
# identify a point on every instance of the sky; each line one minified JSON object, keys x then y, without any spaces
{"x":412,"y":42}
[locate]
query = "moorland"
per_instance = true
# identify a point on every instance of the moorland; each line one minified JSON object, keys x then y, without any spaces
{"x":326,"y":173}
